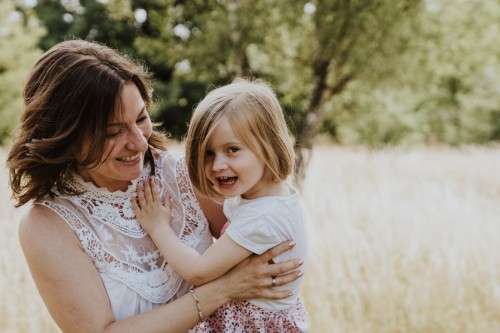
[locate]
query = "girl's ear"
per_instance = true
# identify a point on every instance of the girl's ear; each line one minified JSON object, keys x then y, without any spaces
{"x":270,"y":176}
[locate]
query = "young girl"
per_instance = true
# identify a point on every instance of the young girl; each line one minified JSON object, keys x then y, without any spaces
{"x":238,"y":147}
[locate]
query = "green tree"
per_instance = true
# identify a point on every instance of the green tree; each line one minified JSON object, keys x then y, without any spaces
{"x":205,"y":44}
{"x":19,"y":35}
{"x":363,"y":71}
{"x":110,"y":22}
{"x":331,"y":44}
{"x":459,"y":53}
{"x":144,"y":30}
{"x":309,"y":53}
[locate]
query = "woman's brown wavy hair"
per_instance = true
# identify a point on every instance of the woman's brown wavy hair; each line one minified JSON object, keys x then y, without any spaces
{"x":70,"y":94}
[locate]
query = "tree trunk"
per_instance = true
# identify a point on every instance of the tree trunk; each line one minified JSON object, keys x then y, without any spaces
{"x":305,"y":135}
{"x":320,"y":94}
{"x":239,"y":60}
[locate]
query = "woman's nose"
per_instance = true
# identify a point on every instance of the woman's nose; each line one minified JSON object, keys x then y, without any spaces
{"x":137,"y":140}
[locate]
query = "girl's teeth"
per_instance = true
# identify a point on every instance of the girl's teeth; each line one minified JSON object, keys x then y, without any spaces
{"x":227,"y":180}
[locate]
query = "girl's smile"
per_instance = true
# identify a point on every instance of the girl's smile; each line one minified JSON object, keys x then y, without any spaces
{"x":235,"y":169}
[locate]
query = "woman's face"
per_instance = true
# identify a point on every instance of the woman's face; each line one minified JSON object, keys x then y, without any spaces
{"x":128,"y":133}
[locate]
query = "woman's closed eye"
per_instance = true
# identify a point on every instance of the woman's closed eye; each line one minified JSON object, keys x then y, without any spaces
{"x":114,"y":134}
{"x":142,"y":119}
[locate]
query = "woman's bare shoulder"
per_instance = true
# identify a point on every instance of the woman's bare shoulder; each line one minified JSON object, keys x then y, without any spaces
{"x":41,"y":227}
{"x":38,"y":217}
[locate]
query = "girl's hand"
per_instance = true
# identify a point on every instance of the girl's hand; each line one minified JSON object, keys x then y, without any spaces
{"x":150,"y":212}
{"x":253,"y":277}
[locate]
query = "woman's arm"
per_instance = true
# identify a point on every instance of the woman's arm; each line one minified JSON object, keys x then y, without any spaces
{"x":75,"y":296}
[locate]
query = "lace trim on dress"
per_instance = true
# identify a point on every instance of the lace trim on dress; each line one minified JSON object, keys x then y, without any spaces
{"x":157,"y":285}
{"x":103,"y":204}
{"x":195,"y":218}
{"x":106,"y":227}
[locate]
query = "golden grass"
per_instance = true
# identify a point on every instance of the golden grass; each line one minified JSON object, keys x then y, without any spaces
{"x":404,"y":241}
{"x":21,"y":308}
{"x":401,"y":241}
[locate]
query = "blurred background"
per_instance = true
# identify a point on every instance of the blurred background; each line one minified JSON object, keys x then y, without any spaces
{"x":398,"y":99}
{"x":371,"y":72}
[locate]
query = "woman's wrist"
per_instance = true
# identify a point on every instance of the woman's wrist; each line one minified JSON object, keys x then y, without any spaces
{"x":209,"y":297}
{"x":201,"y":316}
{"x":221,"y":291}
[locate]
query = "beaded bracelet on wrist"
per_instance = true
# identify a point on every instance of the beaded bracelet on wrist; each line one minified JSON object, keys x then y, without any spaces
{"x":201,"y":324}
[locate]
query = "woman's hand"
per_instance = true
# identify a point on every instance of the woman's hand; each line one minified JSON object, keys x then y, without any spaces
{"x":253,"y":277}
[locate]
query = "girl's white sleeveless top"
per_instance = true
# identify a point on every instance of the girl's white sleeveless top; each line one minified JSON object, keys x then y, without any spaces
{"x":135,"y":275}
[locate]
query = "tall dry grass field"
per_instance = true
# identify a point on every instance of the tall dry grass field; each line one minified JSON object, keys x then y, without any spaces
{"x":21,"y":308}
{"x":401,"y":241}
{"x":404,"y":241}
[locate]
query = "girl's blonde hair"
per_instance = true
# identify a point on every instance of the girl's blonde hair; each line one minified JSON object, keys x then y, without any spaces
{"x":256,"y":117}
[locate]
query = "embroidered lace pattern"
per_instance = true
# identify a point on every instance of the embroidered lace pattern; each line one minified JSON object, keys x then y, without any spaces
{"x":106,"y":227}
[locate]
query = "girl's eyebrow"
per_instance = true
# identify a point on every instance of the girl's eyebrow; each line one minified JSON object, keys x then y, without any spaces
{"x":121,"y":123}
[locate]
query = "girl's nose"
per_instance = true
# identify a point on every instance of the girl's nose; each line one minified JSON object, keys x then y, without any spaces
{"x":219,"y":163}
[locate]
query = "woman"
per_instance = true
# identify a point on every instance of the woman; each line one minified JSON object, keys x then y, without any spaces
{"x":85,"y":142}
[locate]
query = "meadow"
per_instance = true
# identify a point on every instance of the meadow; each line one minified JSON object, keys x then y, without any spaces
{"x":402,"y":240}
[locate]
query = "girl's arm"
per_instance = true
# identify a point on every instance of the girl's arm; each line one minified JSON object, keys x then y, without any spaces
{"x":195,"y":268}
{"x":74,"y":294}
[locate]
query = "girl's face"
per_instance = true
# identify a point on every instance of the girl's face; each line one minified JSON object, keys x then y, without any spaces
{"x":233,"y":168}
{"x":128,"y":133}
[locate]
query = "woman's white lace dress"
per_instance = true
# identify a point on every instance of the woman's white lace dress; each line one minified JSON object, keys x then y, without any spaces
{"x":135,"y":275}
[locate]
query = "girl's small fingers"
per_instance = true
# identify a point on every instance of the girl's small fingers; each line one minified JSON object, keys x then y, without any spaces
{"x":140,"y":196}
{"x":147,"y":191}
{"x":167,"y":202}
{"x":133,"y":204}
{"x":155,"y":192}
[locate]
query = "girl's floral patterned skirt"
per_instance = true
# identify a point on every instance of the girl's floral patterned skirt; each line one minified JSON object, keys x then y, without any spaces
{"x":244,"y":317}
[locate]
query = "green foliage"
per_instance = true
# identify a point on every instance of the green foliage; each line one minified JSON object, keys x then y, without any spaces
{"x":112,"y":24}
{"x":174,"y":108}
{"x":19,"y":33}
{"x":363,"y":71}
{"x":444,"y":87}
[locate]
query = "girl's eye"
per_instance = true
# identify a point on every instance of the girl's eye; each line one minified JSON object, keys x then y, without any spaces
{"x":232,"y":149}
{"x":142,"y":119}
{"x":209,"y":153}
